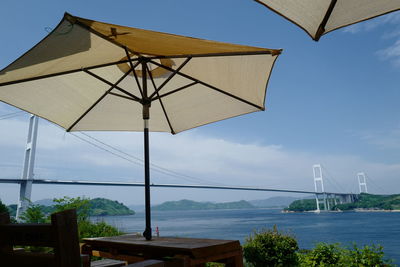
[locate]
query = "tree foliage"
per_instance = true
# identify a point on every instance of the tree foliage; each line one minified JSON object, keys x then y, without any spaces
{"x":34,"y":214}
{"x":302,"y":205}
{"x":369,"y":201}
{"x":86,"y":228}
{"x":334,"y":255}
{"x":3,"y":208}
{"x":270,"y":248}
{"x":80,"y":204}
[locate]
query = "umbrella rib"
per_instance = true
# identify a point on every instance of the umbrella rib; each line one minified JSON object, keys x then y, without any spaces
{"x":174,"y":91}
{"x":137,"y":82}
{"x":134,"y":72}
{"x":161,"y":103}
{"x":209,"y":86}
{"x":115,"y":42}
{"x":75,"y":21}
{"x":123,"y":96}
{"x":273,"y":52}
{"x":156,"y":90}
{"x":62,"y":73}
{"x":114,"y":86}
{"x":321,"y":28}
{"x":97,"y":101}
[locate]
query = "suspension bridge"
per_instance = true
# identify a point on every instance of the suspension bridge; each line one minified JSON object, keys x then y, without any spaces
{"x":324,"y":199}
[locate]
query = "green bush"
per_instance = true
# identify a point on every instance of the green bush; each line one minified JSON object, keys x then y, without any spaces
{"x":89,"y":229}
{"x":322,"y":255}
{"x":325,"y":255}
{"x":270,"y":248}
{"x":86,"y":228}
{"x":368,"y":256}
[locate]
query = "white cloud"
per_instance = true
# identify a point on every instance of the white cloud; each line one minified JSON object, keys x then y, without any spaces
{"x":383,"y":139}
{"x":391,"y":53}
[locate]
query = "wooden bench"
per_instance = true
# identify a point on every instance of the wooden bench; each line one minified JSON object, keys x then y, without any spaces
{"x":148,"y":263}
{"x":61,"y":235}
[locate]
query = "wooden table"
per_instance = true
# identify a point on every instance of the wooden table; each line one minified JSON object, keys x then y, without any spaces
{"x":179,"y":251}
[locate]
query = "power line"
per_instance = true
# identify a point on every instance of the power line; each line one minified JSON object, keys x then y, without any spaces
{"x":11,"y":115}
{"x":136,"y":160}
{"x":331,"y":180}
{"x":375,"y":184}
{"x":171,"y":172}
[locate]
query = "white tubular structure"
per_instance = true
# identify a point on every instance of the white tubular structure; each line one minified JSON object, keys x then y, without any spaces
{"x":29,"y":162}
{"x":362,"y":182}
{"x":317,"y":171}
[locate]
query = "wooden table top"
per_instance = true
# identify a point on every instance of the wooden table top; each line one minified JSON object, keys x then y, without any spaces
{"x":193,"y":247}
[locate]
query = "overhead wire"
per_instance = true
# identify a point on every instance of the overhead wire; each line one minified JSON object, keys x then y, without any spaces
{"x":136,"y":160}
{"x":155,"y":166}
{"x":371,"y":180}
{"x":332,"y":180}
{"x":12,"y":115}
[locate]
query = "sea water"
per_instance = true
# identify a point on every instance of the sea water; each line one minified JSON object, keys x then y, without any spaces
{"x":362,"y":228}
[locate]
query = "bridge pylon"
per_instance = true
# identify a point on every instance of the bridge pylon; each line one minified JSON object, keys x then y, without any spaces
{"x":29,"y":162}
{"x":319,"y":187}
{"x":362,"y":182}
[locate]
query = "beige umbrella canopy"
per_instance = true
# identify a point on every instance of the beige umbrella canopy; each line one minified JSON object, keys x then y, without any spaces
{"x":318,"y":17}
{"x":93,"y":76}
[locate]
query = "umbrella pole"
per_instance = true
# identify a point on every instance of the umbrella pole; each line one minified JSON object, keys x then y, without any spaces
{"x":146,"y":116}
{"x":147,"y":233}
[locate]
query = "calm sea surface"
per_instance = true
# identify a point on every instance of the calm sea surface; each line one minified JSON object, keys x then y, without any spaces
{"x":364,"y":228}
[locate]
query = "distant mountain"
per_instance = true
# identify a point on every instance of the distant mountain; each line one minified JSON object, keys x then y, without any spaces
{"x":273,"y":202}
{"x":103,"y":206}
{"x":364,"y":202}
{"x":44,"y":202}
{"x":193,"y":205}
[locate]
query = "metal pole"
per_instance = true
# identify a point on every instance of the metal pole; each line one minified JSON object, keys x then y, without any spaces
{"x":146,"y":115}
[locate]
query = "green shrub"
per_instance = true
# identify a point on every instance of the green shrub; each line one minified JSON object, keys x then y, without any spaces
{"x":270,"y":248}
{"x":322,"y":255}
{"x":368,"y":256}
{"x":89,"y":229}
{"x":325,"y":255}
{"x":86,"y":228}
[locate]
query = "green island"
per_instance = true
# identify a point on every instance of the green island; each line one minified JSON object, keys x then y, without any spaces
{"x":365,"y":202}
{"x":185,"y":204}
{"x":96,"y":206}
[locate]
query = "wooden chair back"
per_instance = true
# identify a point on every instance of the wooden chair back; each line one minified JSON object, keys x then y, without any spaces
{"x":61,"y":235}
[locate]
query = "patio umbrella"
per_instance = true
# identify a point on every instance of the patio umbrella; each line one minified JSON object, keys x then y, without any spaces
{"x":92,"y":76}
{"x":318,"y":17}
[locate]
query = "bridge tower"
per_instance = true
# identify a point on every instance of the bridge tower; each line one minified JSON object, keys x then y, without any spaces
{"x":319,"y":187}
{"x":362,"y":182}
{"x":29,"y":162}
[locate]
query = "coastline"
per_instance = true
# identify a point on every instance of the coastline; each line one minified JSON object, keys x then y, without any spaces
{"x":374,"y":210}
{"x":338,"y":211}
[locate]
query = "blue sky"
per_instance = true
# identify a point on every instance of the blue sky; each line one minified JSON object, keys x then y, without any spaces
{"x":335,"y":102}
